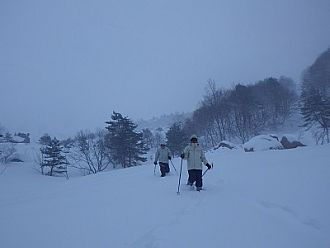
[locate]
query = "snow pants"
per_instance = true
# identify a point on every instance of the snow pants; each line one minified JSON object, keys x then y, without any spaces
{"x":195,"y":176}
{"x":164,"y":168}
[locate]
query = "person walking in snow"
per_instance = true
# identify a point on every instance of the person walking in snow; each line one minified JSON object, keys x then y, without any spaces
{"x":163,"y":155}
{"x":195,"y":157}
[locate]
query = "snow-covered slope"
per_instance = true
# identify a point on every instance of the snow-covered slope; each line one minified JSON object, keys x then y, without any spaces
{"x":261,"y":199}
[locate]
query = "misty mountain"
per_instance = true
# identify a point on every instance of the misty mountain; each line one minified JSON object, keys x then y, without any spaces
{"x":163,"y":121}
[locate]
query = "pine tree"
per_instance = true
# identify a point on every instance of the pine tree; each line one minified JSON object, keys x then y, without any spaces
{"x":125,"y":144}
{"x":176,"y":139}
{"x":53,"y":158}
{"x":45,"y":140}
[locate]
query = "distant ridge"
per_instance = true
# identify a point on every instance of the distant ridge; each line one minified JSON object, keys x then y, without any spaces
{"x":164,"y":121}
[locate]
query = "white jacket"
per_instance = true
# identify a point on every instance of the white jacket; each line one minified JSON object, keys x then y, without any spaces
{"x":162,"y":155}
{"x":195,"y":156}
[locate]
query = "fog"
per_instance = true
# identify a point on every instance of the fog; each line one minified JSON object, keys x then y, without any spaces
{"x":65,"y":65}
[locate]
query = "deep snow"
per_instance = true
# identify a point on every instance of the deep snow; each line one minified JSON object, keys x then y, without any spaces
{"x":261,"y":199}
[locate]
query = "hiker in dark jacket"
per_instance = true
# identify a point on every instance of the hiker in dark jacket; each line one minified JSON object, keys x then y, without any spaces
{"x":163,"y":155}
{"x":195,"y":157}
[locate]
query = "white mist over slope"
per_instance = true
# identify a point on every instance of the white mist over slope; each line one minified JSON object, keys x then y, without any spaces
{"x":263,"y":199}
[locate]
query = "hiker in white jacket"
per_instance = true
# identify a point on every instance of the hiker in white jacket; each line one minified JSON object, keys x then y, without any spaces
{"x":163,"y":154}
{"x":195,"y":157}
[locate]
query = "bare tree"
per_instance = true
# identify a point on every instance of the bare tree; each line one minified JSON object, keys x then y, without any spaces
{"x":315,"y":98}
{"x":89,"y":153}
{"x":7,"y":151}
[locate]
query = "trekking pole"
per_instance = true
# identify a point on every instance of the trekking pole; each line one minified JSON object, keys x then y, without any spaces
{"x":207,"y":170}
{"x":174,"y":167}
{"x":178,"y":192}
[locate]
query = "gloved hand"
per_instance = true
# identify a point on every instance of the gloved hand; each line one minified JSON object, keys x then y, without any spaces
{"x":155,"y":163}
{"x":208,"y":166}
{"x":182,"y":155}
{"x":169,"y":157}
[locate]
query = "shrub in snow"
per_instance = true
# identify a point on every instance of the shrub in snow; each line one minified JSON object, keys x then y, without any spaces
{"x":226,"y":144}
{"x":262,"y":143}
{"x":289,"y":144}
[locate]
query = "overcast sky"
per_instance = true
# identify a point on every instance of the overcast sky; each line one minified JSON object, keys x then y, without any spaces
{"x":65,"y":65}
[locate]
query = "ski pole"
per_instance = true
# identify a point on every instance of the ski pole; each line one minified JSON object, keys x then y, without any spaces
{"x":174,"y":167}
{"x":155,"y":170}
{"x":178,"y":192}
{"x":207,"y":170}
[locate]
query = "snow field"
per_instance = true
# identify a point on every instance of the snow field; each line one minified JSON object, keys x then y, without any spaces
{"x":261,"y":199}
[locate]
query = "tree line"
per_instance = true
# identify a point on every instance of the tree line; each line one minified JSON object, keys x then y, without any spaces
{"x":245,"y":111}
{"x":235,"y":114}
{"x":119,"y":144}
{"x":238,"y":113}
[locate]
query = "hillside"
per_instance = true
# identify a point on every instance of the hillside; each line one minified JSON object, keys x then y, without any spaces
{"x":261,"y":199}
